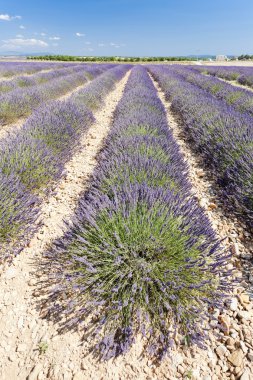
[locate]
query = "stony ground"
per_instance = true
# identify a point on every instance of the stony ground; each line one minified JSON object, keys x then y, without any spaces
{"x":31,"y":346}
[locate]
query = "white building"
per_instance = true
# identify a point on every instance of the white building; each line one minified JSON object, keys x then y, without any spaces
{"x":220,"y":58}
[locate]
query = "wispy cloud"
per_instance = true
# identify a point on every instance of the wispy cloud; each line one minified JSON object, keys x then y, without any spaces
{"x":116,"y":46}
{"x":101,"y":45}
{"x":21,"y":27}
{"x":55,"y":44}
{"x":54,"y":38}
{"x":21,"y":42}
{"x":43,"y":34}
{"x":19,"y":35}
{"x":6,"y":17}
{"x":87,"y":43}
{"x":80,"y":34}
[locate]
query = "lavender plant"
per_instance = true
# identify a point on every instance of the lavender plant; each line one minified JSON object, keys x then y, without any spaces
{"x":35,"y":157}
{"x":141,"y":257}
{"x":18,"y":212}
{"x":220,"y":133}
{"x":21,"y":102}
{"x":239,"y":98}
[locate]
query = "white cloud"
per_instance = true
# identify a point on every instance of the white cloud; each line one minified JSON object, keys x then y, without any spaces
{"x":87,"y":43}
{"x":21,"y":42}
{"x":43,"y":34}
{"x":117,"y":46}
{"x":101,"y":45}
{"x":19,"y":36}
{"x":54,"y":38}
{"x":22,"y":27}
{"x":80,"y":34}
{"x":6,"y":17}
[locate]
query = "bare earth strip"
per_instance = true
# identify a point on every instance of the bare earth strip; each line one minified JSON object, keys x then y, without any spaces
{"x":13,"y":127}
{"x":238,"y":319}
{"x":21,"y":326}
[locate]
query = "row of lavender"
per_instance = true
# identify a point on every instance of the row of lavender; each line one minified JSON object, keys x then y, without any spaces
{"x":22,"y":101}
{"x":9,"y":69}
{"x":141,"y":257}
{"x":243,"y":75}
{"x":223,"y":135}
{"x":38,"y":78}
{"x":35,"y":156}
{"x":240,"y":98}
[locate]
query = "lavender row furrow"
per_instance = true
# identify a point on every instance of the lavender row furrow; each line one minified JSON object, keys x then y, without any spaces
{"x":223,"y":135}
{"x":9,"y":69}
{"x":35,"y":156}
{"x":239,"y":98}
{"x":141,"y":256}
{"x":21,"y":102}
{"x":38,"y":78}
{"x":243,"y":75}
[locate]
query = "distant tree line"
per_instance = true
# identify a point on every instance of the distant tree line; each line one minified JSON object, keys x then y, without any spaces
{"x":245,"y":57}
{"x":109,"y":59}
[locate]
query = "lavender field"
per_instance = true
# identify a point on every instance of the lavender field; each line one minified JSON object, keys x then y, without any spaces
{"x":126,"y":221}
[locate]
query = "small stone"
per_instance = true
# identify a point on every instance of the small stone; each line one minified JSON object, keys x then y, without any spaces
{"x":246,"y":375}
{"x":235,"y":249}
{"x":203,"y":202}
{"x":21,"y":347}
{"x":236,"y":358}
{"x":84,"y":366}
{"x":221,"y":350}
{"x":234,"y":304}
{"x":212,"y":206}
{"x":10,"y":273}
{"x":244,"y":299}
{"x":180,"y":369}
{"x":78,"y":376}
{"x":243,"y":347}
{"x":250,"y":357}
{"x":225,"y":323}
{"x":230,"y":342}
{"x":32,"y":282}
{"x":207,"y":377}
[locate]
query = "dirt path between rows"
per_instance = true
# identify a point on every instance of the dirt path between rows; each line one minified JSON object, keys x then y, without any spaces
{"x":23,"y":331}
{"x":237,"y":320}
{"x":9,"y":129}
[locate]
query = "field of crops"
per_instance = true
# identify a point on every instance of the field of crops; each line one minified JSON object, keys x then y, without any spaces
{"x":126,"y":221}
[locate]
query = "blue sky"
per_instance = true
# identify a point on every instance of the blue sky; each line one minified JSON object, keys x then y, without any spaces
{"x":127,"y":27}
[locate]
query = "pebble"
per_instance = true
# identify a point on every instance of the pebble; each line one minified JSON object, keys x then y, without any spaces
{"x":235,"y":249}
{"x":234,"y":304}
{"x":78,"y":376}
{"x":246,"y":375}
{"x":21,"y":347}
{"x":221,"y":350}
{"x":236,"y":358}
{"x":10,"y":273}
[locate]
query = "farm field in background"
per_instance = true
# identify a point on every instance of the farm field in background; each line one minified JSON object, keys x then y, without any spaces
{"x":126,"y":221}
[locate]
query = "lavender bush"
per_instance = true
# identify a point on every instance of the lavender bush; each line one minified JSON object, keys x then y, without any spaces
{"x":36,"y":155}
{"x":221,"y":134}
{"x":21,"y":102}
{"x":142,"y":257}
{"x":243,"y":75}
{"x":18,"y":212}
{"x":239,"y":98}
